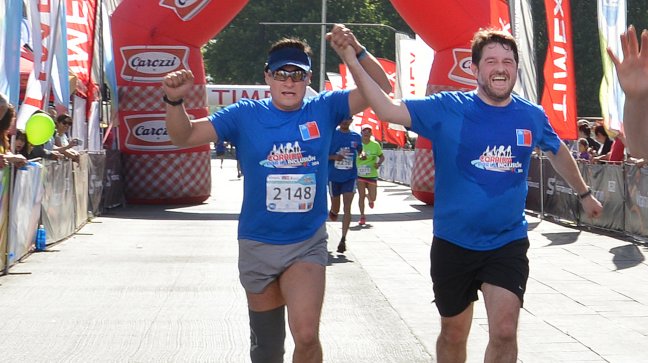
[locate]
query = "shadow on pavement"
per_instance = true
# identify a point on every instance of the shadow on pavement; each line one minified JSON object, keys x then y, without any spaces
{"x":338,"y":258}
{"x":627,"y":256}
{"x":161,"y":212}
{"x":563,"y":238}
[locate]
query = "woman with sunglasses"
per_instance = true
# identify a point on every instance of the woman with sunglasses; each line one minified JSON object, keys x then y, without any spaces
{"x":61,"y":140}
{"x":282,"y":143}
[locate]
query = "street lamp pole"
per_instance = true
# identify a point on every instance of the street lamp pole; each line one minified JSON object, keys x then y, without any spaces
{"x":322,"y":70}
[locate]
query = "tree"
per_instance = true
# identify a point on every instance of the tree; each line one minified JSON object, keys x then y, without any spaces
{"x":237,"y":54}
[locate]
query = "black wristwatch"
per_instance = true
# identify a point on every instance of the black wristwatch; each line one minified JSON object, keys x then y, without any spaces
{"x":172,"y":103}
{"x":585,"y":194}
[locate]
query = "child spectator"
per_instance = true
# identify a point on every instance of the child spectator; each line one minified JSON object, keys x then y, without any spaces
{"x":583,"y":150}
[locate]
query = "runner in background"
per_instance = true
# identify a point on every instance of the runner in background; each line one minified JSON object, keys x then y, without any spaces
{"x":345,"y":147}
{"x":369,"y":160}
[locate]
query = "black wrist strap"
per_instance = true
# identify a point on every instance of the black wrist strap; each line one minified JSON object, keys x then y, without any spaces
{"x":585,"y":194}
{"x":172,"y":103}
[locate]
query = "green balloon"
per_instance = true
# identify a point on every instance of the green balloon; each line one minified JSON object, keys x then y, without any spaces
{"x":39,"y":128}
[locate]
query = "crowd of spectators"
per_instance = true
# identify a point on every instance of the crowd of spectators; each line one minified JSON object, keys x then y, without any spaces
{"x":15,"y":148}
{"x":596,"y":145}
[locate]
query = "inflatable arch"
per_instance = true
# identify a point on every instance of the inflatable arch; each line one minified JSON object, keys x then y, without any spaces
{"x":150,"y":39}
{"x":447,"y":27}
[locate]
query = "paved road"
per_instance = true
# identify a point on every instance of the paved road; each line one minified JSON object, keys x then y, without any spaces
{"x":159,"y":284}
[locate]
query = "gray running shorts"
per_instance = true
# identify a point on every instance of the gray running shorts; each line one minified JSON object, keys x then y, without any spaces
{"x":261,"y":263}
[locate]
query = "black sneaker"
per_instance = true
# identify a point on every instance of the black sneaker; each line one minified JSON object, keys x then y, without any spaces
{"x":342,"y":245}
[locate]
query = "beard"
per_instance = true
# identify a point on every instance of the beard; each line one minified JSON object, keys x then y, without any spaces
{"x":496,"y":95}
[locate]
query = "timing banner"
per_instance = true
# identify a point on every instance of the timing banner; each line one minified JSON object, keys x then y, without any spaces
{"x":608,"y":187}
{"x":636,"y":221}
{"x":559,"y":198}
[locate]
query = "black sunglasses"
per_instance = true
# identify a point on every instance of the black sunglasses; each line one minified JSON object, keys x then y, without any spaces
{"x":282,"y":75}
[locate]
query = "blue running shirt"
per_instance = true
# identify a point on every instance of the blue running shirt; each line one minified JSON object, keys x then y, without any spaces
{"x":482,"y":155}
{"x":347,"y":144}
{"x":284,"y":157}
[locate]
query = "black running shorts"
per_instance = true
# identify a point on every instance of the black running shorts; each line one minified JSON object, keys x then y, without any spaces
{"x":457,"y":273}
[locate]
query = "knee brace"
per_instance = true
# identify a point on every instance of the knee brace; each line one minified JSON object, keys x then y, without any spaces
{"x":267,"y":335}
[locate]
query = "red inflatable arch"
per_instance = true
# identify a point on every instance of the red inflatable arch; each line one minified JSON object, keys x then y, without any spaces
{"x":150,"y":39}
{"x":447,"y":27}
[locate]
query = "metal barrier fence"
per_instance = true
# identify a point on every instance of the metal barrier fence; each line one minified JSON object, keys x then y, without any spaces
{"x":60,"y":195}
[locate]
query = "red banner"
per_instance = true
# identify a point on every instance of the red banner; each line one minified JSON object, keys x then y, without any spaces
{"x":382,"y":131}
{"x":81,"y":16}
{"x":559,"y":94}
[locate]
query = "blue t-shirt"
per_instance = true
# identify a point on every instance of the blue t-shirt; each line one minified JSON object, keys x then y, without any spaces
{"x":482,"y":155}
{"x":348,"y":144}
{"x":284,"y":157}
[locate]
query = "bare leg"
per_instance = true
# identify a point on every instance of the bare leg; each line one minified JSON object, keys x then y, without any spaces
{"x":373,"y":192}
{"x":335,"y":204}
{"x":346,"y":220}
{"x":503,"y":309}
{"x":451,"y":344}
{"x":302,"y":286}
{"x":361,"y":196}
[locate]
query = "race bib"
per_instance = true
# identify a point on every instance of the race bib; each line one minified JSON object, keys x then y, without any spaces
{"x":288,"y":193}
{"x":364,"y":170}
{"x":344,"y":164}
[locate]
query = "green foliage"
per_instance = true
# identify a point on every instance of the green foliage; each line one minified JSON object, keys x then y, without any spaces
{"x":237,"y":54}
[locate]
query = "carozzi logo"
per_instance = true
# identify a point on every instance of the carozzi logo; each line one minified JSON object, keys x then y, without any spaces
{"x":460,"y":71}
{"x":147,"y":132}
{"x":152,"y":63}
{"x":185,"y":9}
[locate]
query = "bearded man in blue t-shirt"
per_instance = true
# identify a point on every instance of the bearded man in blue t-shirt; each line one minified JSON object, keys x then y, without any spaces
{"x":480,"y":239}
{"x":282,"y":143}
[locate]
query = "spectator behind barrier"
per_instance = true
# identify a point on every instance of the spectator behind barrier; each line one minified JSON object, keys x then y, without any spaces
{"x":46,"y":150}
{"x":62,"y":143}
{"x":583,"y":150}
{"x":585,"y":131}
{"x":616,"y":153}
{"x":604,"y":139}
{"x":7,"y":120}
{"x":21,"y":146}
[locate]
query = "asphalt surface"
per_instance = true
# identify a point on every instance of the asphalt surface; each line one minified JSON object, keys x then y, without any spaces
{"x":160,"y":284}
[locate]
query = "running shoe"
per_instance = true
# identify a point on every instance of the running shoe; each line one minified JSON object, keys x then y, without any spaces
{"x":342,"y":246}
{"x":333,"y":216}
{"x":371,"y":205}
{"x":363,"y":221}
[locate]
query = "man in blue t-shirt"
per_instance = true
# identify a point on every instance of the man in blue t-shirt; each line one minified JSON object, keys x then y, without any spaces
{"x":343,"y":171}
{"x":480,"y":239}
{"x":282,"y":144}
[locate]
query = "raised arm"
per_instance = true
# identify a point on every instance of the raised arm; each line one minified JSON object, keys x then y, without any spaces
{"x":183,"y":131}
{"x":342,"y":37}
{"x":633,"y":77}
{"x":365,"y":77}
{"x":566,"y":166}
